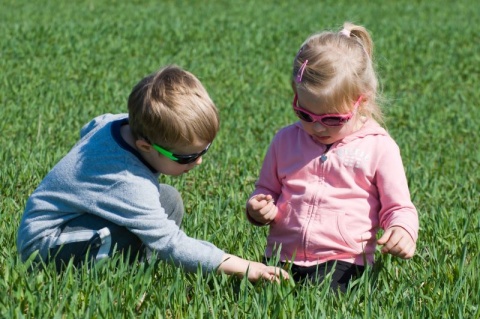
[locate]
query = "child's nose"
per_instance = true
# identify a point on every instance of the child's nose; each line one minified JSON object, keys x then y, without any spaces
{"x":317,"y":127}
{"x":199,"y":161}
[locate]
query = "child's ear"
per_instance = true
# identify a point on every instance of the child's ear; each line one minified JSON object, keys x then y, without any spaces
{"x":143,"y":145}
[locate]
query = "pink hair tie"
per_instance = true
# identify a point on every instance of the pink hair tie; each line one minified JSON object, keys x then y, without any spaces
{"x":345,"y":32}
{"x":300,"y":71}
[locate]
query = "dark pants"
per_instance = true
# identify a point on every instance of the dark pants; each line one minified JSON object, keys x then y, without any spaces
{"x":341,"y":273}
{"x":91,"y":238}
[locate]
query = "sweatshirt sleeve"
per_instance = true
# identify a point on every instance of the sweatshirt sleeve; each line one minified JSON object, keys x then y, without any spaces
{"x":141,"y":212}
{"x":268,"y":182}
{"x":397,"y":208}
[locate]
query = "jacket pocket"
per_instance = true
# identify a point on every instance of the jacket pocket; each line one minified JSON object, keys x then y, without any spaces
{"x":328,"y":233}
{"x":346,"y":233}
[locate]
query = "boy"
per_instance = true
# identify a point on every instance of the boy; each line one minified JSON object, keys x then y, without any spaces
{"x":104,"y":194}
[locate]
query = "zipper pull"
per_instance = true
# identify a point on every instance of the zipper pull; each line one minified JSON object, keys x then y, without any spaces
{"x":324,"y":157}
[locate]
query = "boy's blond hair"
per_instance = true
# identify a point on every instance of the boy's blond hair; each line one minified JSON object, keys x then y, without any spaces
{"x":171,"y":108}
{"x":340,"y":69}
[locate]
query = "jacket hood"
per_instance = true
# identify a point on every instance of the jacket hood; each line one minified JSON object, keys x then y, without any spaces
{"x":370,"y":127}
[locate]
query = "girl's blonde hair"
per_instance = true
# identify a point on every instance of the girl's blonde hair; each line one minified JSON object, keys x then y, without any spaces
{"x":172,"y":108}
{"x":337,"y":67}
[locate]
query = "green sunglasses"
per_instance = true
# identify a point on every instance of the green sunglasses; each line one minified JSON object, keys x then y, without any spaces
{"x":180,"y":159}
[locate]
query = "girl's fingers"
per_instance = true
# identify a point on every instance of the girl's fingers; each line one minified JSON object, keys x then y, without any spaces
{"x":404,"y":248}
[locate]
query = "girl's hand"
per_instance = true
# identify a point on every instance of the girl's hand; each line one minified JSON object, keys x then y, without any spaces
{"x":262,"y":208}
{"x":397,"y":242}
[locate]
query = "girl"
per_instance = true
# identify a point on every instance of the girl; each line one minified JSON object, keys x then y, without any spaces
{"x":331,"y":180}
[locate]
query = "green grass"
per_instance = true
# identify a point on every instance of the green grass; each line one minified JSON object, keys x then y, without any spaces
{"x":62,"y":63}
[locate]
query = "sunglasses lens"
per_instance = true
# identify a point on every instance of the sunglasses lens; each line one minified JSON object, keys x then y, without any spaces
{"x":304,"y":116}
{"x":187,"y":160}
{"x":333,"y":121}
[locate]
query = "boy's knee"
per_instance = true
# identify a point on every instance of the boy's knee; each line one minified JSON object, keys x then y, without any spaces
{"x":168,"y":191}
{"x":172,"y":202}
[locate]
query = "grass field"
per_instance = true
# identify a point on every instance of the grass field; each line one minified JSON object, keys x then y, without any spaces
{"x":62,"y":63}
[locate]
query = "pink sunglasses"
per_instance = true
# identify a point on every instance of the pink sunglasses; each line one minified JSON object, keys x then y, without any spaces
{"x":326,"y":119}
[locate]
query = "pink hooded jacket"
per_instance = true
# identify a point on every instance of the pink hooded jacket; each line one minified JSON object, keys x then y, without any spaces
{"x":332,"y":208}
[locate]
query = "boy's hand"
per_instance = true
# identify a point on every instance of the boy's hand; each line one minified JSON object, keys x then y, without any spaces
{"x":397,"y":242}
{"x":258,"y":271}
{"x":262,"y":208}
{"x":233,"y":265}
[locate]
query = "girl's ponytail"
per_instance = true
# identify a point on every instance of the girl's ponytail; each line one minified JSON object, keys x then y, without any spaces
{"x":361,"y":35}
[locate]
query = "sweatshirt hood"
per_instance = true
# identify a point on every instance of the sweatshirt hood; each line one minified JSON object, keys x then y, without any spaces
{"x":370,"y":127}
